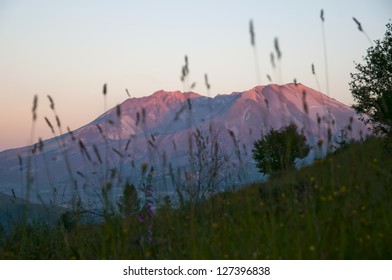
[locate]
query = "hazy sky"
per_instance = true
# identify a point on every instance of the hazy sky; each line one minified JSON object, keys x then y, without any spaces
{"x":69,"y":49}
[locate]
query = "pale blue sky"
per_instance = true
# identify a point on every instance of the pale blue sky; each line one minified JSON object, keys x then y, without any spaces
{"x":68,"y":49}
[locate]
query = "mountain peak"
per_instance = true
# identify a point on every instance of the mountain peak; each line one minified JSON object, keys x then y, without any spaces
{"x":162,"y":92}
{"x":161,"y":124}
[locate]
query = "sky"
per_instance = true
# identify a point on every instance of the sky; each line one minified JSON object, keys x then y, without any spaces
{"x":69,"y":49}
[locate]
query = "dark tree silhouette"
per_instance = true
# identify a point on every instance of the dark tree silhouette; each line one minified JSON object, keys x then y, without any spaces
{"x":371,"y":85}
{"x":278,"y":150}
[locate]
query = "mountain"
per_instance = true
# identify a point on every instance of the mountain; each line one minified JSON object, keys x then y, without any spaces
{"x":156,"y":140}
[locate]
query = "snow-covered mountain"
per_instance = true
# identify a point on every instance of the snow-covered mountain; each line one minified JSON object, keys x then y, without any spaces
{"x":156,"y":131}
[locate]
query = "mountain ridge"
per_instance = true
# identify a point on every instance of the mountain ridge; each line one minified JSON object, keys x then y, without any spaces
{"x":158,"y":130}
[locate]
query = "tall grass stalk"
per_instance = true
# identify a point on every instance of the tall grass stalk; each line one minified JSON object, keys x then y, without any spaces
{"x":256,"y":57}
{"x":325,"y":51}
{"x":359,"y":25}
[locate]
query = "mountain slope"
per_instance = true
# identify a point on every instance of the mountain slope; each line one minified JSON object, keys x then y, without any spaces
{"x":157,"y":130}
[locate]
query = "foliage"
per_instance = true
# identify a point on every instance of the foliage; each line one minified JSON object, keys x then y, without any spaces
{"x":371,"y":86}
{"x":278,"y":150}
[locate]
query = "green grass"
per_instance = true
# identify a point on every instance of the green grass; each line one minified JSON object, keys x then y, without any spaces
{"x":338,"y":208}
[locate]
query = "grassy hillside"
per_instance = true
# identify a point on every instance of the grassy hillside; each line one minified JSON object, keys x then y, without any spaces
{"x":339,"y":208}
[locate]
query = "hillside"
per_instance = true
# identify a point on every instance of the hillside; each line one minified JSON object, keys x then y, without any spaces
{"x":336,"y":209}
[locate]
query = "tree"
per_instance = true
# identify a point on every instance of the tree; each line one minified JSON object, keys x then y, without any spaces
{"x":371,"y":86}
{"x":129,"y":203}
{"x":278,"y":150}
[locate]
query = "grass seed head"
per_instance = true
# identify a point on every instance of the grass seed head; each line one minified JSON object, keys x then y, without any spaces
{"x":206,"y":81}
{"x":252,"y":33}
{"x":322,"y":15}
{"x":49,"y":124}
{"x":358,"y":24}
{"x":305,"y":104}
{"x":51,"y":102}
{"x":137,"y":118}
{"x":34,"y":109}
{"x":118,"y":111}
{"x":272,"y":58}
{"x":40,"y":144}
{"x":20,"y":163}
{"x":277,"y":49}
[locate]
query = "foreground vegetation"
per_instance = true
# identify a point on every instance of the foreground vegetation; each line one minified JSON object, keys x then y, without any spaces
{"x":336,"y":209}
